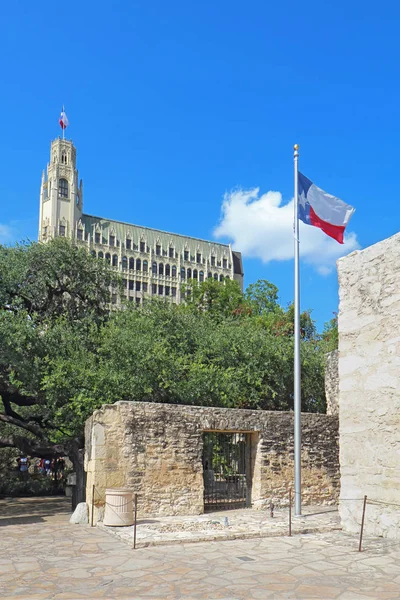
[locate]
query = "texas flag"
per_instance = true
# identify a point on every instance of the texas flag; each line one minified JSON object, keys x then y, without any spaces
{"x":63,"y":119}
{"x":323,"y":210}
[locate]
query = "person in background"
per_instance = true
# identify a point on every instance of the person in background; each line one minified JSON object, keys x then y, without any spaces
{"x":23,"y":465}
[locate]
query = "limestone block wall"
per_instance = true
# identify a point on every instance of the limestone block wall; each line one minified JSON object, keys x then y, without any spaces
{"x":369,"y":386}
{"x":332,"y":383}
{"x":156,"y":450}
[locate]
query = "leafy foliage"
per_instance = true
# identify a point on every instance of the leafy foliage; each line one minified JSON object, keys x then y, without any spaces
{"x":64,"y":354}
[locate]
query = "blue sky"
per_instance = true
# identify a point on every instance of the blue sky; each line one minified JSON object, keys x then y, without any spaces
{"x":173,"y":105}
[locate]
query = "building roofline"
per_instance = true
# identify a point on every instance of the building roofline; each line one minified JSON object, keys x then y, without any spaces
{"x":158,"y":230}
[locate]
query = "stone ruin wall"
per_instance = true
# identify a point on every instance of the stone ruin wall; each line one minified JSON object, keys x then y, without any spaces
{"x":156,"y":450}
{"x":369,"y":389}
{"x":332,"y":382}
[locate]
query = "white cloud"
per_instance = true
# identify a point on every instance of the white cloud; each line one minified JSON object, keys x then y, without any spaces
{"x":262,"y":227}
{"x":6,"y":234}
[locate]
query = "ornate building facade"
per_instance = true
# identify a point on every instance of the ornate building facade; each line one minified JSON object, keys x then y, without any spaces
{"x":152,"y":262}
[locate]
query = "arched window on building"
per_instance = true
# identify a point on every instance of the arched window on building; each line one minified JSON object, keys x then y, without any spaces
{"x":221,"y":277}
{"x":216,"y":276}
{"x":167,"y":270}
{"x":161,"y":269}
{"x":108,"y":257}
{"x":124,"y":262}
{"x":173,"y":271}
{"x":145,"y":266}
{"x":189,"y":273}
{"x":115,"y":260}
{"x":195,"y":274}
{"x":79,"y":233}
{"x":201,"y":276}
{"x":100,"y":254}
{"x":93,"y":253}
{"x":63,"y":157}
{"x":63,"y":188}
{"x":138,"y":264}
{"x":209,"y":275}
{"x":183,"y":273}
{"x":154,"y":268}
{"x":131,"y":264}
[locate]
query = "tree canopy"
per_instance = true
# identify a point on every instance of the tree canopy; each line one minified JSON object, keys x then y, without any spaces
{"x":64,"y":353}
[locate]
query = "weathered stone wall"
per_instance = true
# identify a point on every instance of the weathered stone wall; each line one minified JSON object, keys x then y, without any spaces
{"x":332,"y":383}
{"x":369,"y":388}
{"x":156,"y":450}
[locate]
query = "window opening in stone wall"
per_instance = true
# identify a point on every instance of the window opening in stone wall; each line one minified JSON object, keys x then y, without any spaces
{"x":63,"y":188}
{"x":124,"y":262}
{"x":137,"y":286}
{"x":201,"y":276}
{"x":154,"y":288}
{"x":167,"y":290}
{"x":189,"y":273}
{"x":216,"y":276}
{"x":213,"y":261}
{"x":112,"y":240}
{"x":173,"y":271}
{"x":115,"y":260}
{"x":128,"y":244}
{"x":186,"y":255}
{"x":171,"y":252}
{"x":224,"y":263}
{"x":100,"y":254}
{"x":221,"y":277}
{"x":161,"y":269}
{"x":195,"y":274}
{"x":79,"y":234}
{"x":62,"y":230}
{"x":145,"y":266}
{"x":158,"y":249}
{"x":144,"y":286}
{"x":226,"y":470}
{"x":108,"y":257}
{"x":173,"y":292}
{"x":183,"y":273}
{"x":167,"y":270}
{"x":142,"y":247}
{"x":160,"y":290}
{"x":138,"y":264}
{"x":97,"y":238}
{"x":131,"y":264}
{"x":154,"y":268}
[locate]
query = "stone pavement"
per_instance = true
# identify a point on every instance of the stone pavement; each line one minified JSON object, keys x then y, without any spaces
{"x":243,"y":524}
{"x":49,"y":559}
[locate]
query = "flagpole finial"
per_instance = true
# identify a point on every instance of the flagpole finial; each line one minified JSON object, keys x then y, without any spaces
{"x":296,"y":147}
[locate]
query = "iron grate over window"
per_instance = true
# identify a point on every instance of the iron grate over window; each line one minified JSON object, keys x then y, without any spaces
{"x":226,"y":464}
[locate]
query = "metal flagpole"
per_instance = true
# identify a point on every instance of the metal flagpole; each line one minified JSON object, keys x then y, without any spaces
{"x":297,"y":388}
{"x":63,"y":128}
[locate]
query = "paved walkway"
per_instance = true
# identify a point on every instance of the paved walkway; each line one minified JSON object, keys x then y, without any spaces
{"x":50,"y":559}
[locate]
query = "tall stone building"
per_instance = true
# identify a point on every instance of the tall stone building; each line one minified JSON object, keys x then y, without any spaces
{"x":152,"y":262}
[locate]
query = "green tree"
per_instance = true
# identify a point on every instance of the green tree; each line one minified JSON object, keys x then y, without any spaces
{"x":52,"y":298}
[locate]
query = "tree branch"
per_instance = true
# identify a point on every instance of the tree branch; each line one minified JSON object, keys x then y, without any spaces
{"x":22,"y":424}
{"x":33,"y":447}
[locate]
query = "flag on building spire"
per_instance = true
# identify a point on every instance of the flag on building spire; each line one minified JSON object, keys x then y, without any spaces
{"x":63,"y":120}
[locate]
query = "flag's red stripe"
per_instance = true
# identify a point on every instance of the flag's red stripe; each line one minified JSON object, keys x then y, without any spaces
{"x":63,"y":125}
{"x":334,"y":231}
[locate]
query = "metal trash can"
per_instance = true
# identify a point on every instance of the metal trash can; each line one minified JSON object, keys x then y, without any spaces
{"x":119,"y":508}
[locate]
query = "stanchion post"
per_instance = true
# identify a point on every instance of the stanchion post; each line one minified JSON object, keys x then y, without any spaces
{"x":91,"y":516}
{"x":362,"y":523}
{"x":290,"y":512}
{"x":134,"y":521}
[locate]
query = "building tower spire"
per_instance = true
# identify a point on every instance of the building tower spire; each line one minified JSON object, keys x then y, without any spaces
{"x":61,"y":198}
